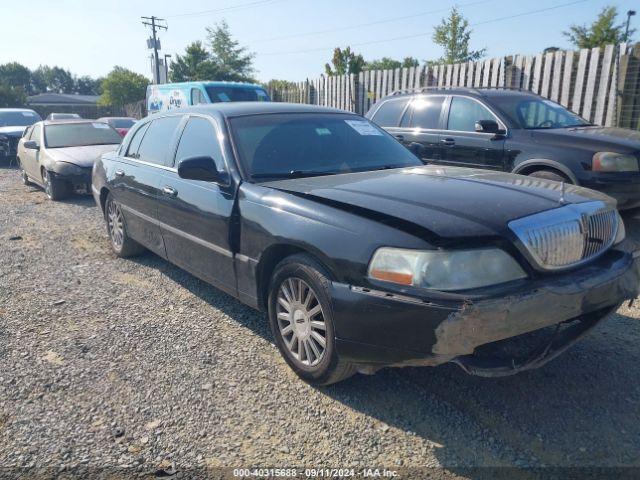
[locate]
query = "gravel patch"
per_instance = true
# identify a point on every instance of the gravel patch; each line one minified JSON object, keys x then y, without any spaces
{"x":135,"y":367}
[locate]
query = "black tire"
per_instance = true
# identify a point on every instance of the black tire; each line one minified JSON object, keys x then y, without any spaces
{"x":55,"y":188}
{"x":23,"y":175}
{"x":121,"y":244}
{"x":329,"y":367}
{"x":551,"y":175}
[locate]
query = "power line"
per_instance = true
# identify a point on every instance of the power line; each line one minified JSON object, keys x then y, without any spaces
{"x":368,"y":24}
{"x":404,"y":37}
{"x":255,"y":3}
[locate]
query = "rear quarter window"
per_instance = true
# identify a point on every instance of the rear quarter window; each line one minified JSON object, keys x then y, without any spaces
{"x":389,"y":113}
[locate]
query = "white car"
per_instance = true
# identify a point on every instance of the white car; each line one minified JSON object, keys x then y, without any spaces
{"x":59,"y":155}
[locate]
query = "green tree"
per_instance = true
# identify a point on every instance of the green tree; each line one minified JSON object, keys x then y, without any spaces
{"x":386,"y":63}
{"x":344,"y":61}
{"x":603,"y":31}
{"x":11,"y":96}
{"x":86,"y":85}
{"x":123,"y":86}
{"x":52,"y":79}
{"x":16,"y":75}
{"x":195,"y":64}
{"x":453,"y":34}
{"x":234,"y":63}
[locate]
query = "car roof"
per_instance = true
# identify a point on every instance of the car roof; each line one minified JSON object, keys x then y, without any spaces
{"x":237,"y":109}
{"x":16,"y":110}
{"x":66,"y":121}
{"x":115,"y":118}
{"x":208,"y":84}
{"x":487,"y":92}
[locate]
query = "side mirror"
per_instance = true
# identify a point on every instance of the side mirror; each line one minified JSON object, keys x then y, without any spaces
{"x":31,"y":145}
{"x":199,"y":168}
{"x":489,"y":126}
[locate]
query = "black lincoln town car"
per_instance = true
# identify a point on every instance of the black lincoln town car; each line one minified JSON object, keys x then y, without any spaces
{"x":362,"y":256}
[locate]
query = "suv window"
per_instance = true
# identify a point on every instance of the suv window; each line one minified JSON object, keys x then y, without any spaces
{"x":388,"y":115}
{"x":200,"y":139}
{"x":134,"y":144}
{"x":155,"y":144}
{"x":465,"y":112}
{"x":425,"y":112}
{"x":196,"y":97}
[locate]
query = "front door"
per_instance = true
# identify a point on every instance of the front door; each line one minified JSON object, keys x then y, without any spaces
{"x":195,"y":215}
{"x":422,"y":124}
{"x":29,"y":157}
{"x":462,"y":145}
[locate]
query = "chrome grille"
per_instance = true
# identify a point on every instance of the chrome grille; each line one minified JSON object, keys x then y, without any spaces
{"x":567,"y":236}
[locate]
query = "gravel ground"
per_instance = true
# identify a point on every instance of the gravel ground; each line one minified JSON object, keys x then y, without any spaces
{"x":136,"y":367}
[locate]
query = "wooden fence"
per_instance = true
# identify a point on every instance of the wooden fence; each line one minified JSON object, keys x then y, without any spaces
{"x":600,"y":84}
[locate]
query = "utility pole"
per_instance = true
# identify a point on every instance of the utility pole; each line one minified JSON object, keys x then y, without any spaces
{"x":167,"y":56}
{"x":154,"y":23}
{"x":630,"y":14}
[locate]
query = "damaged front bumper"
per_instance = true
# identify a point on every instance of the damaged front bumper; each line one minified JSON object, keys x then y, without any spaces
{"x":375,"y":329}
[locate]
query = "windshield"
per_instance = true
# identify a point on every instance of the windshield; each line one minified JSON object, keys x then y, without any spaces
{"x":297,"y":145}
{"x":79,"y":134}
{"x":18,"y":119}
{"x":237,"y":94}
{"x":533,"y":112}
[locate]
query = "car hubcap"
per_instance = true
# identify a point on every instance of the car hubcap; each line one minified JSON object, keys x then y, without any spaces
{"x":301,"y":321}
{"x":116,"y":227}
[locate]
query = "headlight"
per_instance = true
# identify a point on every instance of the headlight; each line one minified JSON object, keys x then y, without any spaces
{"x":620,"y":233}
{"x":614,"y":162}
{"x":444,"y":270}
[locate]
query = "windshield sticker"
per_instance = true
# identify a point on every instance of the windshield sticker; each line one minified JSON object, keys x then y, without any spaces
{"x":100,"y":125}
{"x":363,"y":127}
{"x":28,"y":114}
{"x":224,"y":97}
{"x":323,"y":131}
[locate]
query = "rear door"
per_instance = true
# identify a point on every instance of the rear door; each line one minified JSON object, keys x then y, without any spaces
{"x":195,"y":215}
{"x":137,"y":179}
{"x":462,"y":145}
{"x":389,"y":116}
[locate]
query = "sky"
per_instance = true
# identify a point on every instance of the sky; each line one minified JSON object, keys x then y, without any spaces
{"x":291,"y":39}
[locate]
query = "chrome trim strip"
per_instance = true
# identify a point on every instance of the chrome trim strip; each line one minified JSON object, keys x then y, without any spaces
{"x":188,"y":236}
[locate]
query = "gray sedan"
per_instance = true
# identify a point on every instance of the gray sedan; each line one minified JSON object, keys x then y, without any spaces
{"x":59,"y":155}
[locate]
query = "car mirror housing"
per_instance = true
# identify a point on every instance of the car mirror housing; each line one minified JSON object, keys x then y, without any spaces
{"x":31,"y":145}
{"x":199,"y":168}
{"x":488,"y":126}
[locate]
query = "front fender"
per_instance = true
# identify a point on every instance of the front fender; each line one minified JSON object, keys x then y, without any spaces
{"x":543,"y":162}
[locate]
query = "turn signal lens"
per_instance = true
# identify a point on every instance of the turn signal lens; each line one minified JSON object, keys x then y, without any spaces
{"x":394,"y":277}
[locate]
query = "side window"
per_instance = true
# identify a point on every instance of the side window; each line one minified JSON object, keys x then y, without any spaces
{"x":196,"y":96}
{"x":156,"y":142}
{"x":425,"y":112}
{"x":199,"y":139}
{"x":36,"y":135}
{"x":134,"y":144}
{"x":388,"y":115}
{"x":464,"y":113}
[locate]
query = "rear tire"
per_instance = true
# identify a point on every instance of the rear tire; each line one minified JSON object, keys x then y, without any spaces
{"x":301,"y":318}
{"x":121,"y":244}
{"x":551,"y":175}
{"x":55,"y":188}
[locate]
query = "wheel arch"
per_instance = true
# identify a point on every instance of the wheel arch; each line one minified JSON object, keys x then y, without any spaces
{"x":535,"y":164}
{"x":104,"y":191}
{"x":271,"y":257}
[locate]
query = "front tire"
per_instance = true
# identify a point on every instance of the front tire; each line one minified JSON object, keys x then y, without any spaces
{"x":301,"y":318}
{"x":55,"y":188}
{"x":121,"y":244}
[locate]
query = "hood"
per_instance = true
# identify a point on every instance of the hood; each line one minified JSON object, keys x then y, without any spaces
{"x":449,"y":202}
{"x":613,"y":139}
{"x":12,"y":131}
{"x":81,"y":156}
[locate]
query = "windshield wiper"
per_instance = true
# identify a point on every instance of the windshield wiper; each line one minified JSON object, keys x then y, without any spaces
{"x":293,"y":174}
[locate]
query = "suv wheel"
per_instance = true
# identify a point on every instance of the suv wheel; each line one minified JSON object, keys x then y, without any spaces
{"x":121,"y":243}
{"x":550,"y":175}
{"x":301,"y":320}
{"x":55,"y":188}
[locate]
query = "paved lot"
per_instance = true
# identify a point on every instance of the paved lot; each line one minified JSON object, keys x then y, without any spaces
{"x":135,"y":365}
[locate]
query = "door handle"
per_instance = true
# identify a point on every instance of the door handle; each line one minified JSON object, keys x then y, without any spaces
{"x":172,"y":192}
{"x":399,"y":137}
{"x":449,"y":142}
{"x":119,"y":173}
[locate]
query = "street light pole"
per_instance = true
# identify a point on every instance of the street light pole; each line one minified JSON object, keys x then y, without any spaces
{"x":630,"y":13}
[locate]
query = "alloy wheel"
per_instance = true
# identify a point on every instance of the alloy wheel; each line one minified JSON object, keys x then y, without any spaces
{"x":115,"y":225}
{"x":301,"y":321}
